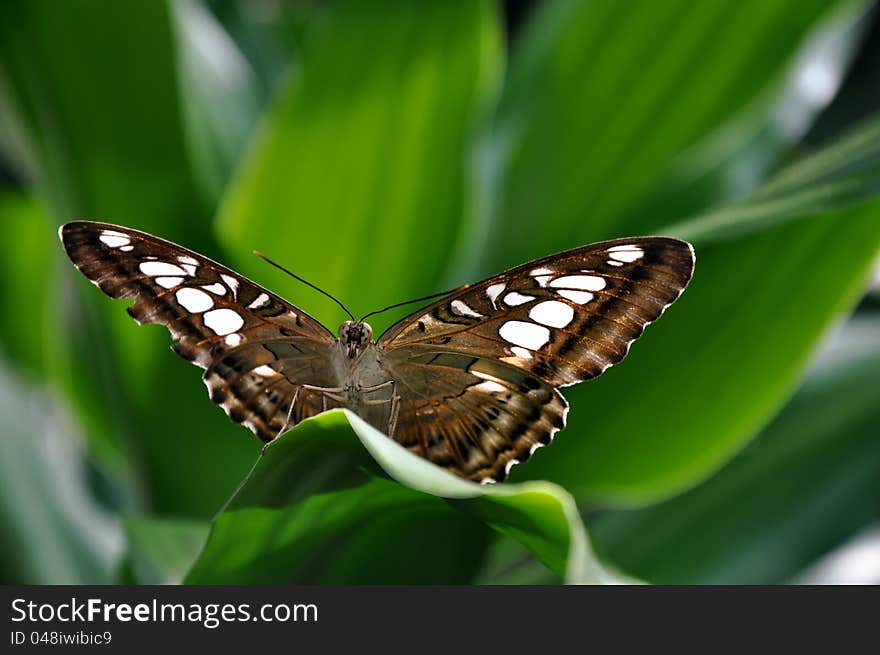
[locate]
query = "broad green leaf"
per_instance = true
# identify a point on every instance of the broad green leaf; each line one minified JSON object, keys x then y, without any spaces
{"x":359,"y":180}
{"x":95,"y":85}
{"x":602,"y":96}
{"x":269,"y":43}
{"x":160,"y":550}
{"x":714,"y":369}
{"x":508,"y":562}
{"x":316,"y":509}
{"x":24,"y":282}
{"x":219,"y":92}
{"x":807,"y":483}
{"x":53,"y":532}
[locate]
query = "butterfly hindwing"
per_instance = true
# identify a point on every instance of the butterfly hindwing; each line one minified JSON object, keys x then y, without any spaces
{"x":476,"y":417}
{"x":256,"y":347}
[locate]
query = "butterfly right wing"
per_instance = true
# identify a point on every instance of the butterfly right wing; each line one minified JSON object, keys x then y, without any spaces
{"x":478,"y":370}
{"x":256,"y":348}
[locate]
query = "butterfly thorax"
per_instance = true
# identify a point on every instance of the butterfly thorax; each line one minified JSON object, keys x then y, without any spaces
{"x":364,"y":385}
{"x":358,"y":363}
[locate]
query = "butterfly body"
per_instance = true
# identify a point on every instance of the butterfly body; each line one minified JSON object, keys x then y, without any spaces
{"x":363,"y":383}
{"x":470,"y":382}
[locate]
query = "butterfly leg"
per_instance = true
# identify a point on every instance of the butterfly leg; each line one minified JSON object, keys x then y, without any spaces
{"x":395,"y":408}
{"x":393,"y":399}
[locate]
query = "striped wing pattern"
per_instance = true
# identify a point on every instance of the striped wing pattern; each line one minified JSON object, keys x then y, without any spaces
{"x":475,"y":416}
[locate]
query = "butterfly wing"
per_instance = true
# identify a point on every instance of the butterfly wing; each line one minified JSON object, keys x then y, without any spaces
{"x":478,"y":370}
{"x":474,"y":416}
{"x":255,"y":347}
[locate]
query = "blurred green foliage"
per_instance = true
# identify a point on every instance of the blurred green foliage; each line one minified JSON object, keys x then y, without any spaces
{"x":392,"y":149}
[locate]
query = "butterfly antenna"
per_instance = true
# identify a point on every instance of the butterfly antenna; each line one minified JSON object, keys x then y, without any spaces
{"x":407,"y":302}
{"x":306,"y":282}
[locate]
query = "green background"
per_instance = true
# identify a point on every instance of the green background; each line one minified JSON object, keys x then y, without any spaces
{"x":388,"y":150}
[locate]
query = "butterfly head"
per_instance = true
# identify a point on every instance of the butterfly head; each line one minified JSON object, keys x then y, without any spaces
{"x":355,"y":336}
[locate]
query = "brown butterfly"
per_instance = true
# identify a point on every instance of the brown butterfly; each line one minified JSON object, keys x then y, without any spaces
{"x":469,"y":382}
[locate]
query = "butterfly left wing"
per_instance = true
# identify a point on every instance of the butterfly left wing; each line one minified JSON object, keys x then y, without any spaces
{"x":256,"y":348}
{"x":478,"y":370}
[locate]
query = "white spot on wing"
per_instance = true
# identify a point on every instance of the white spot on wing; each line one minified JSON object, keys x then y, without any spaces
{"x":259,"y":301}
{"x":583,"y":282}
{"x":490,"y":386}
{"x":233,"y":339}
{"x":580,"y":297}
{"x":114,"y":239}
{"x":495,"y":290}
{"x":189,"y":268}
{"x":265,"y":371}
{"x":223,"y":321}
{"x":513,"y":299}
{"x":186,"y":259}
{"x":527,"y":335}
{"x":553,"y":313}
{"x":215,"y":288}
{"x":160,"y":268}
{"x":463,"y":309}
{"x":542,"y":275}
{"x":534,"y":447}
{"x":521,"y":352}
{"x":168,"y":282}
{"x":483,"y":375}
{"x":194,"y":300}
{"x":611,"y":262}
{"x":231,"y":282}
{"x":127,"y":248}
{"x":626,"y":253}
{"x":509,"y":465}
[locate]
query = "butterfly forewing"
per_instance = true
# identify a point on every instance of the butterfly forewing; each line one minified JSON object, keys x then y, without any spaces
{"x":564,"y":318}
{"x":255,"y":346}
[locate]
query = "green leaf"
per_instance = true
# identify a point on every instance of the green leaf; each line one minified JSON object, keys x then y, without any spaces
{"x":53,"y":530}
{"x":315,"y":509}
{"x":161,"y":550}
{"x":600,"y":100}
{"x":24,"y":282}
{"x":219,"y":92}
{"x":368,"y":148}
{"x":807,"y":483}
{"x":735,"y":158}
{"x":844,"y":174}
{"x":61,"y":59}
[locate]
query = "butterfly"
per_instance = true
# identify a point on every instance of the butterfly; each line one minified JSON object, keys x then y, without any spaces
{"x":470,"y":382}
